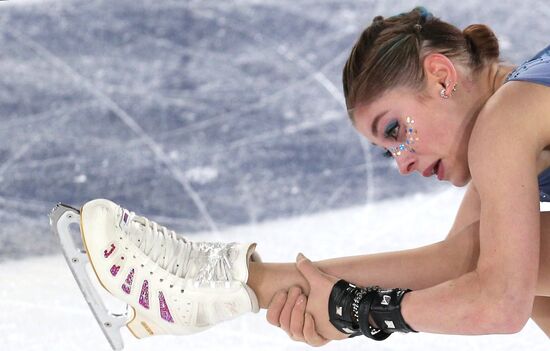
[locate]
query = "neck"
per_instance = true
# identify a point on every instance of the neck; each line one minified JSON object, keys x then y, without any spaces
{"x":476,"y":91}
{"x":486,"y":84}
{"x":497,"y":74}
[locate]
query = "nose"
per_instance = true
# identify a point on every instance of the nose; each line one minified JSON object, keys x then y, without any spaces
{"x":406,"y":163}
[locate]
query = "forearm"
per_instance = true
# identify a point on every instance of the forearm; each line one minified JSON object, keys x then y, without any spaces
{"x":469,"y":304}
{"x":415,"y":269}
{"x":473,"y":303}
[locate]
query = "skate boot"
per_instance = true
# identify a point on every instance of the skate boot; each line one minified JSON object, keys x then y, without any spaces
{"x":173,"y":286}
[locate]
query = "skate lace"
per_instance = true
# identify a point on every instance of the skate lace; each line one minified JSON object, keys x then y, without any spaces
{"x":201,"y":261}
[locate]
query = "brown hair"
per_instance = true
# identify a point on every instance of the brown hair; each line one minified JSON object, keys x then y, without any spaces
{"x":389,"y":53}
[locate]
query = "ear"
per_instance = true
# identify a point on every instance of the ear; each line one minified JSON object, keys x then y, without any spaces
{"x":440,"y":73}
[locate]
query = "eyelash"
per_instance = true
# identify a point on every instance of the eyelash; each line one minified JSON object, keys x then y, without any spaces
{"x":387,"y":154}
{"x":392,"y":130}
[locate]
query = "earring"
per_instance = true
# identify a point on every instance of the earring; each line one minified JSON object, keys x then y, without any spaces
{"x":443,"y":92}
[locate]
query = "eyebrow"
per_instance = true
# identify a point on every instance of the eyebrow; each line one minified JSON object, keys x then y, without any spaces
{"x":374,"y":126}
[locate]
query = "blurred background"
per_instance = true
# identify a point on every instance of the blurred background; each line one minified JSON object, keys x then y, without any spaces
{"x":201,"y":114}
{"x":211,"y":117}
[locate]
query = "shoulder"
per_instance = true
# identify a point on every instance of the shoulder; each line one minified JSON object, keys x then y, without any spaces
{"x":517,"y":110}
{"x":510,"y":131}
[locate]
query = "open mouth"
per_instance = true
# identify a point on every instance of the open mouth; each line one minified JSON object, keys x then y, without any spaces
{"x":436,"y":167}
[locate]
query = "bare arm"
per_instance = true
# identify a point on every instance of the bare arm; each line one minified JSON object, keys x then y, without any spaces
{"x":414,"y":268}
{"x":507,"y":271}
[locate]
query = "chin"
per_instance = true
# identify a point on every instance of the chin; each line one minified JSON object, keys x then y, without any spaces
{"x":461,"y":181}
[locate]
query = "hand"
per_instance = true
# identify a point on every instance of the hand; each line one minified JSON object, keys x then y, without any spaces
{"x":288,"y":311}
{"x":317,"y":305}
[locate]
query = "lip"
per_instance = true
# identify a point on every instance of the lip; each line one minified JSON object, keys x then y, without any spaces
{"x":429,"y":171}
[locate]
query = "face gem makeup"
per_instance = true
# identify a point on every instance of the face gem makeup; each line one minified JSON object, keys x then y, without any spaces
{"x":412,"y":138}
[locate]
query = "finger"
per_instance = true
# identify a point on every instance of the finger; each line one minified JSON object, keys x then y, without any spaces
{"x":311,"y":336}
{"x":275,"y":308}
{"x":284,"y":319}
{"x":297,"y":319}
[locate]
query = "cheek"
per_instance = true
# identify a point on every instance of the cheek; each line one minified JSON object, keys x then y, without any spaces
{"x":433,"y":138}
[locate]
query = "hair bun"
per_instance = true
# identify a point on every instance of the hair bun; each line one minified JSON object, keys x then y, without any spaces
{"x":482,"y":43}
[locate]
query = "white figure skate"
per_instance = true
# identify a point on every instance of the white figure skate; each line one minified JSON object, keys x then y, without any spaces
{"x":171,"y":285}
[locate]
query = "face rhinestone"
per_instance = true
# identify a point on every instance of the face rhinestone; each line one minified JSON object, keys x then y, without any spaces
{"x":339,"y":310}
{"x":144,"y":296}
{"x":411,"y":139}
{"x":127,"y":286}
{"x":386,"y":300}
{"x":390,"y":324}
{"x":164,"y":311}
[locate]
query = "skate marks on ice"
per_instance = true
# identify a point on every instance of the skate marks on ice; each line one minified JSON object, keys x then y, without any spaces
{"x":128,"y":120}
{"x":156,"y":93}
{"x":247,"y":89}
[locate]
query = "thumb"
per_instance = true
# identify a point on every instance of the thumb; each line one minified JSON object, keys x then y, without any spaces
{"x":308,"y":270}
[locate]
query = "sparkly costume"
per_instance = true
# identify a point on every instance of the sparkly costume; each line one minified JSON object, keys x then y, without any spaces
{"x":536,"y":70}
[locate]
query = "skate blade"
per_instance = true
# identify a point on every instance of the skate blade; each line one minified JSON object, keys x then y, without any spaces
{"x":65,"y":223}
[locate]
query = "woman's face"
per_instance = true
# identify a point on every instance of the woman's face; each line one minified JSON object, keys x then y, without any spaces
{"x":425,"y":136}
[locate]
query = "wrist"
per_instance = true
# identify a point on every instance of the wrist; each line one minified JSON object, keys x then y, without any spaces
{"x":381,"y":309}
{"x":373,"y":312}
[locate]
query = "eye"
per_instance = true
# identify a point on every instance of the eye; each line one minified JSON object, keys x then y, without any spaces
{"x":387,"y":154}
{"x":392,"y":130}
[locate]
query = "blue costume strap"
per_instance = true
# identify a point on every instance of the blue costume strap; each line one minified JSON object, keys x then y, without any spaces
{"x":544,"y":185}
{"x":535,"y":70}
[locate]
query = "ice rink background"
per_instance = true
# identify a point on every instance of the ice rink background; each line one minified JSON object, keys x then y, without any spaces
{"x":201,"y":114}
{"x":222,"y":119}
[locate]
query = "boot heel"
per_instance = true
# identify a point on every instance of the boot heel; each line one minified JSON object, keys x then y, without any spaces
{"x":140,"y":327}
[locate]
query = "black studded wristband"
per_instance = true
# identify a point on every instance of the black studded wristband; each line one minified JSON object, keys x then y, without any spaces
{"x":385,"y":310}
{"x":350,"y":308}
{"x":340,"y":308}
{"x":364,"y":325}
